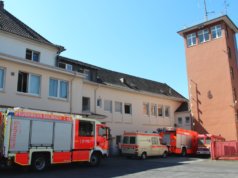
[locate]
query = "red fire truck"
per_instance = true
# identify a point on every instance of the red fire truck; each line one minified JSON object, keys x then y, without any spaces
{"x":38,"y":139}
{"x":180,"y":141}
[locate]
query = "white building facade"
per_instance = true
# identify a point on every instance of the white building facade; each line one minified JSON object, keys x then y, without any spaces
{"x":33,"y":75}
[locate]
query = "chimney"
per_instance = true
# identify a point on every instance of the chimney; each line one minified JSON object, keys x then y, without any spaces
{"x":1,"y":5}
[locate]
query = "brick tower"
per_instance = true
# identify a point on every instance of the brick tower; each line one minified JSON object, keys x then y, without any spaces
{"x":212,"y":68}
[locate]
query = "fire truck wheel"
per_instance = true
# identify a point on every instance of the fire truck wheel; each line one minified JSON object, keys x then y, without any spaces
{"x":143,"y":156}
{"x":95,"y":159}
{"x":184,"y":152}
{"x":39,"y":162}
{"x":165,"y":154}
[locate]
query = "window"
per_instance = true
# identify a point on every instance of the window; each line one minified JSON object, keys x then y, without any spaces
{"x":118,"y":106}
{"x":153,"y":110}
{"x":203,"y":36}
{"x":154,"y":141}
{"x":86,"y":128}
{"x":68,"y":67}
{"x":191,"y":39}
{"x":108,"y":105}
{"x":32,"y":55}
{"x":232,"y":72}
{"x":132,"y":140}
{"x":58,"y":88}
{"x":28,"y":83}
{"x":167,"y":111}
{"x":160,"y":110}
{"x":187,"y":120}
{"x":237,"y":114}
{"x":126,"y":140}
{"x":102,"y":132}
{"x":146,"y":109}
{"x":87,"y":73}
{"x":128,"y":109}
{"x":216,"y":31}
{"x":86,"y":104}
{"x":180,"y":120}
{"x":2,"y":73}
{"x":99,"y":102}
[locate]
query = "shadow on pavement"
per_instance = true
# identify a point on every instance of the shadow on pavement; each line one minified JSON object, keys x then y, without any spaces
{"x":111,"y":167}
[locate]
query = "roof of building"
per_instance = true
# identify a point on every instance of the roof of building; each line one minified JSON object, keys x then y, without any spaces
{"x":224,"y":18}
{"x":108,"y":77}
{"x":9,"y":23}
{"x":184,"y":107}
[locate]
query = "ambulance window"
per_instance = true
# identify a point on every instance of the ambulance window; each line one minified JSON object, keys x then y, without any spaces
{"x":86,"y":129}
{"x":126,"y":140}
{"x":132,"y":140}
{"x":154,"y":141}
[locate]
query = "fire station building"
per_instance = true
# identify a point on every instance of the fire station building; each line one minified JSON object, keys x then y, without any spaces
{"x":34,"y":75}
{"x":212,"y":68}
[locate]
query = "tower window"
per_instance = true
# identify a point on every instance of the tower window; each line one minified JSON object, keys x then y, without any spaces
{"x":203,"y":35}
{"x":191,"y":39}
{"x":216,"y":31}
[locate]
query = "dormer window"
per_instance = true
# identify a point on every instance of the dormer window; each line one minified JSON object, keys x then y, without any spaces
{"x":87,"y":73}
{"x":32,"y":55}
{"x":191,"y":39}
{"x":216,"y":31}
{"x":203,"y":35}
{"x":67,"y":67}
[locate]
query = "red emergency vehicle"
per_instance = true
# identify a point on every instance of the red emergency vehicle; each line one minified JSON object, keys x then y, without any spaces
{"x":180,"y":141}
{"x":38,"y":139}
{"x":204,"y":143}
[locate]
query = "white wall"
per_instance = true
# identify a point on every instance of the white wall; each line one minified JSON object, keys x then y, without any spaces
{"x":184,"y":125}
{"x":14,"y":46}
{"x":10,"y":97}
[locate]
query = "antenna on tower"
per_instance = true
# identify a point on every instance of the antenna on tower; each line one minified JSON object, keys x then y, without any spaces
{"x":205,"y":11}
{"x":226,"y":5}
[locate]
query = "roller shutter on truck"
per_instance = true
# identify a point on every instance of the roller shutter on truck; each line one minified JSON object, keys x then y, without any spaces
{"x":29,"y":132}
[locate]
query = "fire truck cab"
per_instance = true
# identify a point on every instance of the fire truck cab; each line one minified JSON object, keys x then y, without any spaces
{"x":38,"y":139}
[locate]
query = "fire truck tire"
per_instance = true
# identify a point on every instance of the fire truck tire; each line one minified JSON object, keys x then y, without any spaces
{"x":95,"y":159}
{"x":39,"y":162}
{"x":165,"y":154}
{"x":143,"y":156}
{"x":184,"y":152}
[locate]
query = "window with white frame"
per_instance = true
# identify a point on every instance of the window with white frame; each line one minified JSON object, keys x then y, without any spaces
{"x":108,"y":105}
{"x":187,"y":120}
{"x":118,"y":106}
{"x":153,"y":109}
{"x":160,"y":110}
{"x":191,"y":39}
{"x":28,"y":83}
{"x":65,"y":66}
{"x":203,"y":35}
{"x":58,"y":88}
{"x":180,"y":120}
{"x":167,"y":111}
{"x":86,"y":104}
{"x":146,"y":109}
{"x":216,"y":31}
{"x":2,"y":76}
{"x":128,"y":108}
{"x":99,"y":102}
{"x":32,"y":55}
{"x":87,"y":72}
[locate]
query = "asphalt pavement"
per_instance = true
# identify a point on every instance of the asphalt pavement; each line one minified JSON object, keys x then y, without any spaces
{"x":174,"y":167}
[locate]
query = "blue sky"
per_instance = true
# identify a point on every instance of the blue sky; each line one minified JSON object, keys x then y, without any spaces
{"x":137,"y":37}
